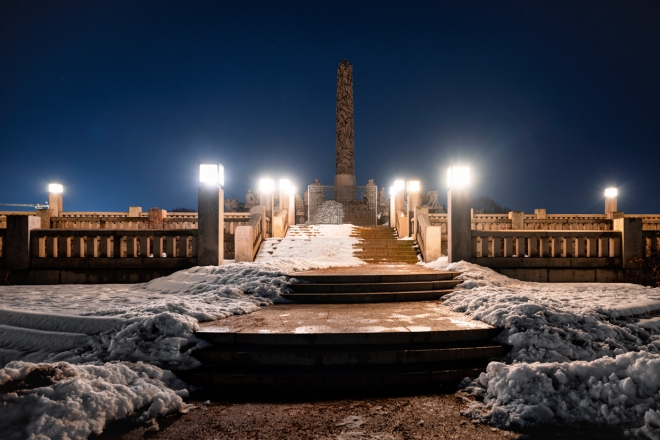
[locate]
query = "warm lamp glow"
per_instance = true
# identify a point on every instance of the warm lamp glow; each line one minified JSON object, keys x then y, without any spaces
{"x":266,"y":186}
{"x":458,"y":177}
{"x":611,"y":193}
{"x":399,"y":185}
{"x":414,"y":186}
{"x":392,"y":190}
{"x":292,"y":190}
{"x":55,"y":188}
{"x":212,"y":174}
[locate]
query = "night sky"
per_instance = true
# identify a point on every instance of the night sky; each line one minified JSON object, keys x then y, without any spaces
{"x":549,"y":102}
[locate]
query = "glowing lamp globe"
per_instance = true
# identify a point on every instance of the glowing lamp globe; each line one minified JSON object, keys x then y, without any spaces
{"x":55,"y":188}
{"x":458,"y":177}
{"x":211,"y":174}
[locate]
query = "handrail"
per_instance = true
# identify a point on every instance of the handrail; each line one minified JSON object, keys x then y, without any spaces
{"x":248,"y":238}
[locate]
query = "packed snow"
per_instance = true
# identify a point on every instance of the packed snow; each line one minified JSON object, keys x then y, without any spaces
{"x":579,"y":353}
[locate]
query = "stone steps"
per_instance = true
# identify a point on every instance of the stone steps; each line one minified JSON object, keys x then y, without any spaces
{"x":366,"y":297}
{"x":341,"y":361}
{"x":351,"y":287}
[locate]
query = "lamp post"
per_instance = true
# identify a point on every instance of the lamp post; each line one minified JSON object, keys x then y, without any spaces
{"x":459,"y":234}
{"x":266,"y":188}
{"x":611,"y":195}
{"x":55,"y":204}
{"x":210,"y":206}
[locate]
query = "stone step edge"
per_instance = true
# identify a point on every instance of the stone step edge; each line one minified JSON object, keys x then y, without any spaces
{"x":385,"y":292}
{"x":399,"y":286}
{"x":332,"y":379}
{"x":376,"y":278}
{"x":224,"y":338}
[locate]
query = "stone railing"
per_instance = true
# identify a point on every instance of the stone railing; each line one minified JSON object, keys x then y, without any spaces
{"x":546,"y":244}
{"x":249,"y":237}
{"x":651,"y":242}
{"x":428,"y":238}
{"x":124,"y":244}
{"x":280,"y":223}
{"x":3,"y":233}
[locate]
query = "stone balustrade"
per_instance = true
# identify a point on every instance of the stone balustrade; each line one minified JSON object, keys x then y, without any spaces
{"x":651,"y":242}
{"x":76,"y":244}
{"x":546,"y":244}
{"x":280,"y":223}
{"x":3,"y":233}
{"x":249,"y":237}
{"x":429,"y":238}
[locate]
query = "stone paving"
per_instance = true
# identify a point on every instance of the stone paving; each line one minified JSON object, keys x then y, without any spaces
{"x":347,"y":318}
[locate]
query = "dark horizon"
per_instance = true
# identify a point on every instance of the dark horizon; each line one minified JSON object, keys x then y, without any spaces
{"x":549,"y":103}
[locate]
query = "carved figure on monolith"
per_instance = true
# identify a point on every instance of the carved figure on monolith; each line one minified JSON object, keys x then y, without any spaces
{"x":344,"y":158}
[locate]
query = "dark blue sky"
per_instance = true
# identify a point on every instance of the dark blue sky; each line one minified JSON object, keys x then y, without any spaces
{"x":550,"y":102}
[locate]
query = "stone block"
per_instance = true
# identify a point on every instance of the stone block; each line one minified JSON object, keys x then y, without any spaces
{"x":535,"y":275}
{"x":572,"y":275}
{"x":16,"y":244}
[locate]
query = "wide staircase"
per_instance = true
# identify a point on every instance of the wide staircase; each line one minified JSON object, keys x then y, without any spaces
{"x":339,"y":362}
{"x":345,"y":356}
{"x":380,"y":245}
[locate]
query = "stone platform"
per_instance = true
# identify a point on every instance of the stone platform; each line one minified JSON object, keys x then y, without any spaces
{"x":408,"y":317}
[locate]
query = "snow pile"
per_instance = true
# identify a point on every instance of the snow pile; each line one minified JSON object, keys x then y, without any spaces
{"x":609,"y":390}
{"x":579,"y":354}
{"x":96,"y":338}
{"x":73,"y":401}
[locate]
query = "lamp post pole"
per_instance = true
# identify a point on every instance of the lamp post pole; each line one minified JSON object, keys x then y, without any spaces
{"x":211,"y":227}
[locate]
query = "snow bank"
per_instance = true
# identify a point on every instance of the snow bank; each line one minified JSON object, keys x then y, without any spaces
{"x":73,"y":401}
{"x":83,"y":331}
{"x":579,"y":354}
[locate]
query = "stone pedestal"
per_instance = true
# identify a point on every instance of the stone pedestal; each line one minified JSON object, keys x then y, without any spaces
{"x":632,"y":238}
{"x":17,"y":241}
{"x":610,"y":206}
{"x":55,"y":203}
{"x":267,"y":201}
{"x":413,"y":202}
{"x":211,"y":227}
{"x":517,"y":220}
{"x":459,"y":226}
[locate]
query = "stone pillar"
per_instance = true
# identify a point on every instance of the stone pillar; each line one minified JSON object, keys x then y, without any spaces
{"x":134,"y":211}
{"x":267,"y":201}
{"x":459,"y":226}
{"x":344,"y":154}
{"x":517,"y":220}
{"x":610,"y":206}
{"x":292,"y":209}
{"x":413,"y":202}
{"x":540,"y":213}
{"x":156,"y":217}
{"x":44,"y":215}
{"x":393,"y":211}
{"x":632,"y":238}
{"x":211,"y":227}
{"x":55,"y":204}
{"x":17,"y":240}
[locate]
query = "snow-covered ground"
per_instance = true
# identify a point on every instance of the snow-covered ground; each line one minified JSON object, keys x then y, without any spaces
{"x":579,"y":353}
{"x":78,"y":356}
{"x":102,"y":352}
